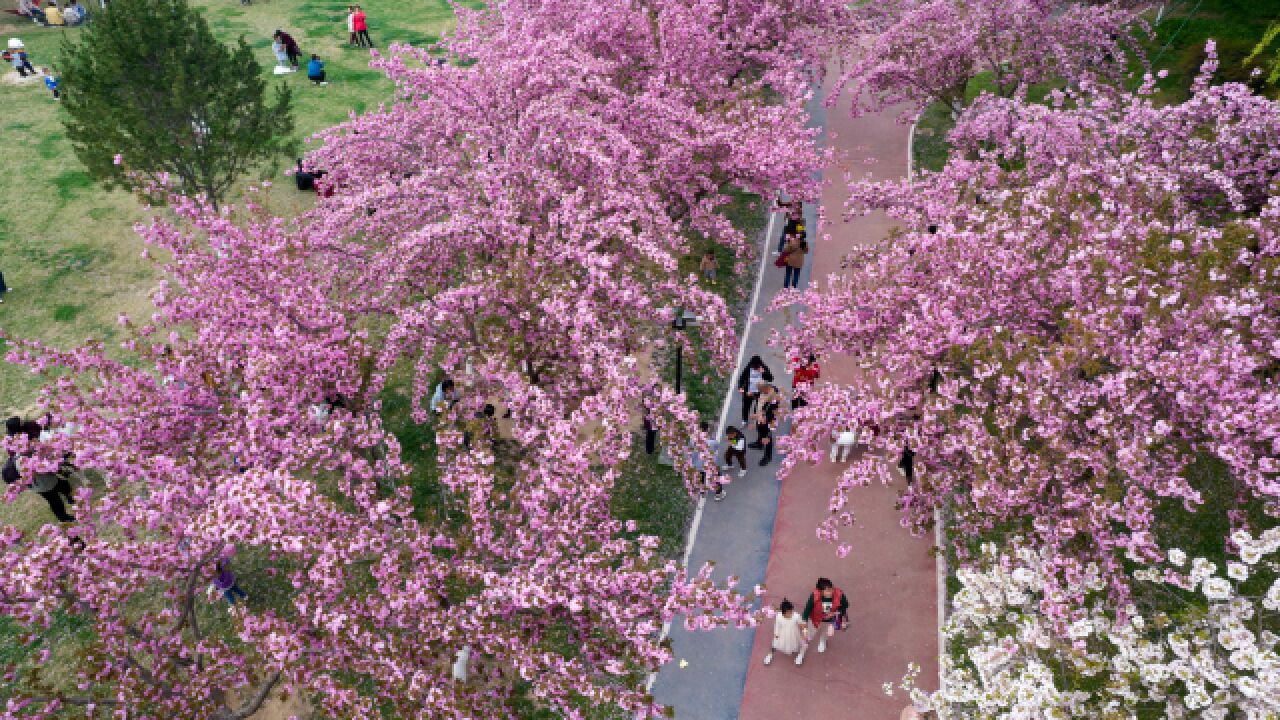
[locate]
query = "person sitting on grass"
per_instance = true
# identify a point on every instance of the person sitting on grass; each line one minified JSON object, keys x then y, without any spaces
{"x":315,"y":71}
{"x":53,"y":16}
{"x":50,"y":82}
{"x":75,"y":14}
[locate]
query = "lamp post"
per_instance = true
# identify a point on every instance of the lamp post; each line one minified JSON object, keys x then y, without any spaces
{"x":683,"y":319}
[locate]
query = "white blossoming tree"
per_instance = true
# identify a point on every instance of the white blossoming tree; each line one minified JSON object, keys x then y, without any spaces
{"x":1196,"y":643}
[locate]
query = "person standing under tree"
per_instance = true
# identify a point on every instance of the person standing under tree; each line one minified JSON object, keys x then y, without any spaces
{"x":802,"y":380}
{"x":755,"y":373}
{"x":795,"y":220}
{"x":224,"y":581}
{"x":828,"y":609}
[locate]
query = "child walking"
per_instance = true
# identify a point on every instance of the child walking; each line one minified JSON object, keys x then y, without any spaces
{"x":736,"y":450}
{"x":789,"y":632}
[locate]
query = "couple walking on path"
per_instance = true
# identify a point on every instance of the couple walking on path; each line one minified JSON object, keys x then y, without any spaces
{"x":826,"y":610}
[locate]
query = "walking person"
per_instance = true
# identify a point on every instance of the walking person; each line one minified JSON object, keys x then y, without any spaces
{"x":224,"y":581}
{"x":650,"y":433}
{"x":828,"y":609}
{"x":291,"y":49}
{"x":842,"y":442}
{"x":793,"y":259}
{"x":361,"y":25}
{"x":767,"y":421}
{"x":749,"y":380}
{"x":4,"y":289}
{"x":802,"y":380}
{"x":736,"y":449}
{"x":907,"y":463}
{"x":795,"y":220}
{"x":790,"y":634}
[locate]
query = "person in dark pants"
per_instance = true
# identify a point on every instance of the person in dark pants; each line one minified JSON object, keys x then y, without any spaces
{"x":736,"y":449}
{"x":3,"y":288}
{"x":828,"y":609}
{"x":802,"y":381}
{"x":766,"y":421}
{"x":793,"y":259}
{"x":908,"y":463}
{"x":795,"y":220}
{"x":53,"y":487}
{"x":749,"y":381}
{"x":650,"y":434}
{"x":291,"y":48}
{"x":224,"y":581}
{"x":360,"y":24}
{"x":315,"y":71}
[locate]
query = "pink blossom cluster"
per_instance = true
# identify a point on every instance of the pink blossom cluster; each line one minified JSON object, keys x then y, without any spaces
{"x":514,"y":220}
{"x":1099,"y":304}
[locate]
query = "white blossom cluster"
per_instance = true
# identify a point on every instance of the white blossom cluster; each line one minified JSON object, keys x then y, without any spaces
{"x":1205,"y":650}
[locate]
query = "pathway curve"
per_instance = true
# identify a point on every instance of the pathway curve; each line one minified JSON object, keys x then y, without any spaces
{"x":764,"y":531}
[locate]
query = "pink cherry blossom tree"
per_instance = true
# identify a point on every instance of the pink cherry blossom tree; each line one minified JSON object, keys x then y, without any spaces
{"x":916,"y":52}
{"x":513,"y":220}
{"x":1095,"y":312}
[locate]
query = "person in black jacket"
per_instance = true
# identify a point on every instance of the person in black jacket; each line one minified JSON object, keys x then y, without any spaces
{"x":908,"y":463}
{"x":749,"y":381}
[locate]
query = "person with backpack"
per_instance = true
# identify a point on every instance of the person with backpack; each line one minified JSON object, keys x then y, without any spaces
{"x":749,"y":381}
{"x":828,"y":609}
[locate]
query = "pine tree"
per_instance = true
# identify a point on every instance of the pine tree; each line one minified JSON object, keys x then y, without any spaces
{"x":149,"y":91}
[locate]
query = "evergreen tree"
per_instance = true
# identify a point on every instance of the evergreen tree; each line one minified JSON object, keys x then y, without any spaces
{"x":149,"y":89}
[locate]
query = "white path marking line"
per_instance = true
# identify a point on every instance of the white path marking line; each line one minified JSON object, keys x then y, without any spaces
{"x":724,"y":414}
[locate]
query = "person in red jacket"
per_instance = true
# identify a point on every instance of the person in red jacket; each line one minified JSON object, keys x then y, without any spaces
{"x":828,"y":609}
{"x":361,"y":26}
{"x":802,"y":381}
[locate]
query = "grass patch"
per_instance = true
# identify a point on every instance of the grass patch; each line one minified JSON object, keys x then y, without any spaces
{"x":1180,"y":36}
{"x":930,"y":148}
{"x":48,"y":205}
{"x":66,"y":313}
{"x":68,"y":184}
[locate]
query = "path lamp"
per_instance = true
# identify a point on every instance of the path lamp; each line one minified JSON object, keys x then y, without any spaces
{"x":683,"y":319}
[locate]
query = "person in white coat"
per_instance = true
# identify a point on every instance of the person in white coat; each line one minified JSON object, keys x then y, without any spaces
{"x":789,"y":631}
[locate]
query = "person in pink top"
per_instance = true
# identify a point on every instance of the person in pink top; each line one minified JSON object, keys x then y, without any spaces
{"x":361,"y":27}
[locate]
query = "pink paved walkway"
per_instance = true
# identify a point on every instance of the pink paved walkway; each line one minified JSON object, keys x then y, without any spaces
{"x":890,"y":576}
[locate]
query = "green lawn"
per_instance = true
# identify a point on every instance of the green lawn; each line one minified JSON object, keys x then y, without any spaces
{"x":67,"y":247}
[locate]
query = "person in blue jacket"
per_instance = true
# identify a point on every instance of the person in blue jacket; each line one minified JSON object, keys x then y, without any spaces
{"x":315,"y":70}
